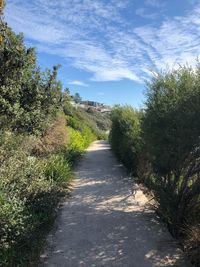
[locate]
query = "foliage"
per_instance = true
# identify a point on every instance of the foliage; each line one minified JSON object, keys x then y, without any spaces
{"x":27,"y":96}
{"x":80,"y":140}
{"x":97,"y":122}
{"x":66,"y":105}
{"x":54,"y":139}
{"x":31,"y":186}
{"x":171,"y":124}
{"x":77,"y":98}
{"x":59,"y":170}
{"x":25,"y":195}
{"x":163,"y":147}
{"x":171,"y":129}
{"x":125,"y":135}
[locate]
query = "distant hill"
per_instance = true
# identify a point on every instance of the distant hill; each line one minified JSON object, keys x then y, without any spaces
{"x":99,"y":107}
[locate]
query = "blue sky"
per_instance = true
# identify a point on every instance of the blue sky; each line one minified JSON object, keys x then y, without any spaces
{"x":109,"y":48}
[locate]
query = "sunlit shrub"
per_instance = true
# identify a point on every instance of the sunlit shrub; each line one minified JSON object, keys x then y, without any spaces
{"x":97,"y":122}
{"x":59,"y":170}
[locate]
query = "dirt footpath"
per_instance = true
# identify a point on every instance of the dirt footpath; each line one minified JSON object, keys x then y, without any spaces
{"x":104,"y":224}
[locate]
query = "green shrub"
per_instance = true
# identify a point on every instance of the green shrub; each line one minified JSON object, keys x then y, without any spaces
{"x":97,"y":122}
{"x":162,"y":146}
{"x":80,"y":140}
{"x":27,"y":197}
{"x":59,"y":170}
{"x":76,"y":140}
{"x":171,"y":123}
{"x":74,"y":122}
{"x":28,"y":97}
{"x":125,"y":135}
{"x":171,"y":129}
{"x":88,"y":136}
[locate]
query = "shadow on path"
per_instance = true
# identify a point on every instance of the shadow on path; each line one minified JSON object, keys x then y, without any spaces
{"x":103,"y":224}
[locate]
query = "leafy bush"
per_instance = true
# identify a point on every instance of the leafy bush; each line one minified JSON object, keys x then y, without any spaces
{"x":80,"y":140}
{"x":27,"y":197}
{"x":28,"y":96}
{"x":31,"y":187}
{"x":171,"y":129}
{"x":59,"y":170}
{"x":171,"y":123}
{"x":125,"y":135}
{"x":163,"y":147}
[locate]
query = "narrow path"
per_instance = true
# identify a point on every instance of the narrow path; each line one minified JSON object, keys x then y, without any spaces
{"x":104,"y":224}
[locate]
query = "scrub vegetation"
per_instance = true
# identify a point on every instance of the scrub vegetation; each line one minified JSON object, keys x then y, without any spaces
{"x":41,"y":137}
{"x":160,"y":145}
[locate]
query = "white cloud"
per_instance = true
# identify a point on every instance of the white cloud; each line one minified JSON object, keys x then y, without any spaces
{"x":115,"y":74}
{"x":144,"y":14}
{"x":174,"y":42}
{"x":155,"y":3}
{"x":79,"y":83}
{"x":96,"y":36}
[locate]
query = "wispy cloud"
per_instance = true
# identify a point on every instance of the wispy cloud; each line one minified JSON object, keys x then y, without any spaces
{"x":155,"y":3}
{"x":79,"y":83}
{"x":96,"y":36}
{"x":145,"y":14}
{"x":101,"y":93}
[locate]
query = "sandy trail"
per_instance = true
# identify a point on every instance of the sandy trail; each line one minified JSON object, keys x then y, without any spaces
{"x":104,"y":224}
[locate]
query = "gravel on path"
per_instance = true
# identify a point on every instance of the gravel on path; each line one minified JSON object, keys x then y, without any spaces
{"x":106,"y":223}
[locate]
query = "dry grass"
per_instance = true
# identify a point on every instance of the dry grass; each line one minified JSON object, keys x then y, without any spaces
{"x":53,"y":140}
{"x":192,"y":244}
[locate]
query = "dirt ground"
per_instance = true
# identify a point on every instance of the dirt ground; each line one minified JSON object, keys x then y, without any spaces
{"x":107,"y":221}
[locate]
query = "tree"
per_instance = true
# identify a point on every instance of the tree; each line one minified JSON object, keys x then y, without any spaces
{"x":28,"y":97}
{"x":67,"y":91}
{"x":66,"y":105}
{"x":77,"y":98}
